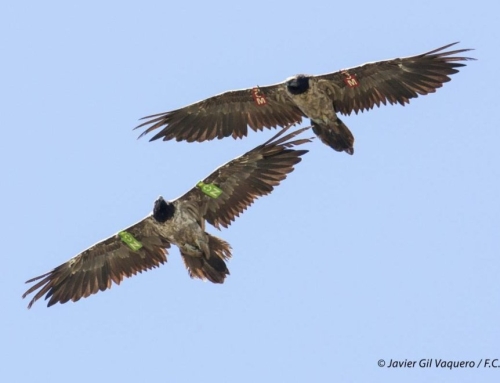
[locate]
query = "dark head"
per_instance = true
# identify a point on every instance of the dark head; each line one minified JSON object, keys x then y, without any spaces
{"x":297,"y":84}
{"x":163,"y":210}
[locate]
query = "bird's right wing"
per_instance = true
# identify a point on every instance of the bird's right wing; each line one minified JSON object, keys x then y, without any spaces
{"x":224,"y":115}
{"x":135,"y":249}
{"x":234,"y":186}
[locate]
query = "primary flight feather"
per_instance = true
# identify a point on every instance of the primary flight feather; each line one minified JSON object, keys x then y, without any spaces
{"x":218,"y":199}
{"x":319,"y":98}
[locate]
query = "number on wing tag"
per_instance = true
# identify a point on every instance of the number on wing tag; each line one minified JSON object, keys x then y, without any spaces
{"x":130,"y":240}
{"x":209,"y":189}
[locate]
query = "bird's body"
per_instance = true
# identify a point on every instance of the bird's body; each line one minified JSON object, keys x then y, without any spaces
{"x":186,"y":229}
{"x":183,"y":228}
{"x":313,"y":100}
{"x":311,"y":95}
{"x":181,"y":222}
{"x":319,"y":97}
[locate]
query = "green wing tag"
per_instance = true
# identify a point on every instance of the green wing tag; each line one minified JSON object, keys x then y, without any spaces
{"x":209,"y":189}
{"x":129,"y":240}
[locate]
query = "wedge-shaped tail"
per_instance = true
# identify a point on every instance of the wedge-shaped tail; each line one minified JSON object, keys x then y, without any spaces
{"x":212,"y":267}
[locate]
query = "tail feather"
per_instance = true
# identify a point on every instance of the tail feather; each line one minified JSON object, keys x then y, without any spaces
{"x":338,"y":137}
{"x":213,"y":267}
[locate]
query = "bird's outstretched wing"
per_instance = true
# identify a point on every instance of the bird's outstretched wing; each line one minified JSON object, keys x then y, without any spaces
{"x":230,"y":189}
{"x":135,"y":249}
{"x":224,"y":115}
{"x":394,"y":81}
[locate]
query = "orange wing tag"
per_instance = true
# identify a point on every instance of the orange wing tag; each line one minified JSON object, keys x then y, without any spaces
{"x":258,"y":97}
{"x":350,"y":80}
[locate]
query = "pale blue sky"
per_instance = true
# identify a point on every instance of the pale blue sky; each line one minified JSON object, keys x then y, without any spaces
{"x":392,"y":253}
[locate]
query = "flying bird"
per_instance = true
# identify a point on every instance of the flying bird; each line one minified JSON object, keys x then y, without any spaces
{"x":218,"y":200}
{"x":319,"y":98}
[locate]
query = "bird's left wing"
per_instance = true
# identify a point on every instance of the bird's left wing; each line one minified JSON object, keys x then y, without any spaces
{"x":230,"y":189}
{"x":394,"y":81}
{"x":135,"y":249}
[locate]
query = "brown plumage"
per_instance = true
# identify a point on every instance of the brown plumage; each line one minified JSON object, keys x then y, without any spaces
{"x":143,"y":246}
{"x":317,"y":97}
